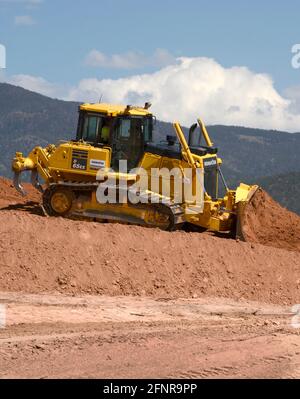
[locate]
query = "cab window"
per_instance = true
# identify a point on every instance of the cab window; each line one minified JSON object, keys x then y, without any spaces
{"x":90,"y":128}
{"x":124,"y":128}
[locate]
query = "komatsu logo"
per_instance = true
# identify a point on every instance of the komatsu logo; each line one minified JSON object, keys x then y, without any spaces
{"x":97,"y":164}
{"x":210,"y":162}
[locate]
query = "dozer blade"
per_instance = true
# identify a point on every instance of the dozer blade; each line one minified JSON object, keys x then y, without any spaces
{"x":241,"y":212}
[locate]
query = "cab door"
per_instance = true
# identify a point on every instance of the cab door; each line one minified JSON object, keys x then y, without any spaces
{"x":127,"y":142}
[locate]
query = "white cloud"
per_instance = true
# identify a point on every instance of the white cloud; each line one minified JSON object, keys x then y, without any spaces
{"x":129,"y":60}
{"x":199,"y":87}
{"x":24,"y":20}
{"x":190,"y":88}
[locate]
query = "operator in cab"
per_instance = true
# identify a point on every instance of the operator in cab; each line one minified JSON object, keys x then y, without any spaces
{"x":105,"y":131}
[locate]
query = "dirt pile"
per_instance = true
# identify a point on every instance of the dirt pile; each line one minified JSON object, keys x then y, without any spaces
{"x":40,"y":254}
{"x":50,"y":254}
{"x":9,"y":195}
{"x":267,"y":223}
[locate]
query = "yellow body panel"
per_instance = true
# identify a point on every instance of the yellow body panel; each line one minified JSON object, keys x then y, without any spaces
{"x":115,"y":110}
{"x":79,"y":160}
{"x":68,"y":161}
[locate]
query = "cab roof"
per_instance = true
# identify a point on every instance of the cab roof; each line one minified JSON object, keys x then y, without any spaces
{"x":115,"y":110}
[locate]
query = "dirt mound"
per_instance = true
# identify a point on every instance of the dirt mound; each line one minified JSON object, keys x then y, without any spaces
{"x":267,"y":223}
{"x":9,"y":195}
{"x":40,"y":254}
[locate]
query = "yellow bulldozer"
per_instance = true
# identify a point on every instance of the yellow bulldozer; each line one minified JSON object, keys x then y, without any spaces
{"x":113,"y":171}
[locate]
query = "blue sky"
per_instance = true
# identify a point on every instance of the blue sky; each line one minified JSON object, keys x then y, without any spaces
{"x":53,"y":40}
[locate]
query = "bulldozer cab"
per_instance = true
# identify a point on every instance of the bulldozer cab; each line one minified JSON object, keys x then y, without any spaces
{"x":93,"y":128}
{"x":129,"y":136}
{"x":124,"y":132}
